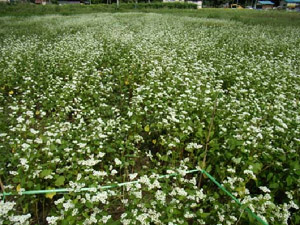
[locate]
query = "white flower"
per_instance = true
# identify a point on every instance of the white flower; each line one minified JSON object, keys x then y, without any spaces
{"x":20,"y":119}
{"x":105,"y":218}
{"x":25,"y":146}
{"x":20,"y":219}
{"x":160,"y":196}
{"x":81,"y":145}
{"x":99,"y":173}
{"x":118,"y":162}
{"x":189,"y":215}
{"x":137,"y":194}
{"x":5,"y":207}
{"x":68,"y":205}
{"x":265,"y":189}
{"x":52,"y":219}
{"x":38,"y":141}
{"x":100,"y":196}
{"x":132,"y":176}
{"x":33,"y":131}
{"x":29,"y":113}
{"x":101,"y":154}
{"x":113,"y":172}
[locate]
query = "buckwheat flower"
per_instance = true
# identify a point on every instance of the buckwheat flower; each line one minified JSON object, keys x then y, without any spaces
{"x":20,"y":219}
{"x":170,"y":171}
{"x":59,"y":201}
{"x":132,"y":176}
{"x":68,"y":205}
{"x":29,"y":113}
{"x":89,"y":162}
{"x":125,"y":202}
{"x":293,"y":205}
{"x":24,"y":163}
{"x":75,"y":212}
{"x":113,"y":172}
{"x":14,"y":173}
{"x":149,"y":154}
{"x":289,"y":195}
{"x":171,"y":145}
{"x":101,"y":154}
{"x":5,"y":207}
{"x":200,"y":195}
{"x":99,"y":173}
{"x":33,"y":131}
{"x":138,"y":186}
{"x":38,"y":141}
{"x":189,"y":215}
{"x":118,"y":162}
{"x":144,"y":180}
{"x":155,"y":184}
{"x":250,"y":172}
{"x":52,"y":219}
{"x":265,"y":189}
{"x":102,"y":136}
{"x":231,"y":170}
{"x":142,"y":218}
{"x":160,"y":196}
{"x":181,"y":191}
{"x":20,"y":119}
{"x":137,"y":194}
{"x":91,"y":220}
{"x":123,"y":215}
{"x":100,"y":196}
{"x":105,"y":218}
{"x":25,"y":146}
{"x":48,"y":177}
{"x":81,"y":145}
{"x":221,"y":217}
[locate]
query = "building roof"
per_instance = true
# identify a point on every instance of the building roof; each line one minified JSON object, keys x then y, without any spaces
{"x":292,"y":1}
{"x":267,"y":2}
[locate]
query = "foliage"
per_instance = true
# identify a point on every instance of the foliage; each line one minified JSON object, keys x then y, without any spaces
{"x":249,"y":17}
{"x":95,"y":99}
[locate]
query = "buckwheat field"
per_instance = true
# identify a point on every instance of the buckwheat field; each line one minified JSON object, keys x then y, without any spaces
{"x":101,"y":99}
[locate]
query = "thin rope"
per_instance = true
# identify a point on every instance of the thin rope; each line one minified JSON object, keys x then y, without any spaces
{"x":68,"y":190}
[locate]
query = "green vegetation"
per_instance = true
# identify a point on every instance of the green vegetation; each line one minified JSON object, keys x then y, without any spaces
{"x":251,"y":17}
{"x":93,"y":96}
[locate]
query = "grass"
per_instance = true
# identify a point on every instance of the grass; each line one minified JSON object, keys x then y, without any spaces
{"x":249,"y":17}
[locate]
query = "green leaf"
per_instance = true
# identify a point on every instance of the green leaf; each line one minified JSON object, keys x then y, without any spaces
{"x":45,"y":173}
{"x":208,"y":169}
{"x":147,"y":128}
{"x":257,"y":167}
{"x":60,"y":181}
{"x":204,"y":215}
{"x":274,"y":185}
{"x":270,"y":175}
{"x":289,"y":180}
{"x":89,"y":204}
{"x":199,"y":133}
